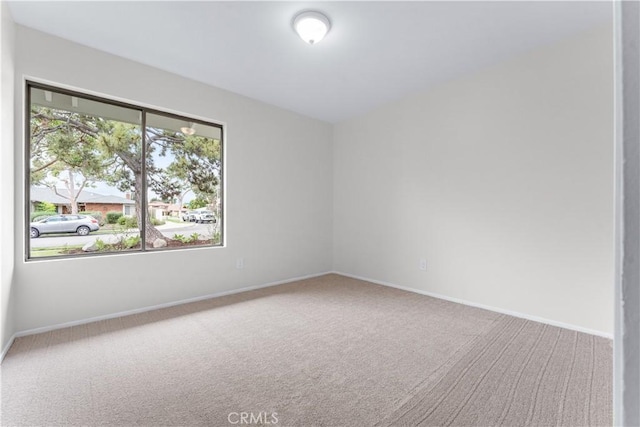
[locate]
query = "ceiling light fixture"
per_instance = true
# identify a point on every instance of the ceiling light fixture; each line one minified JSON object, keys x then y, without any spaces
{"x":311,"y":26}
{"x":188,"y":130}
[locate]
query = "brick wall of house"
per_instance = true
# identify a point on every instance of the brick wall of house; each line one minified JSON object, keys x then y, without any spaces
{"x":103,"y":207}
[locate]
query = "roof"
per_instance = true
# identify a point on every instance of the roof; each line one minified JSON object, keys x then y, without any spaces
{"x":45,"y":194}
{"x":164,"y":206}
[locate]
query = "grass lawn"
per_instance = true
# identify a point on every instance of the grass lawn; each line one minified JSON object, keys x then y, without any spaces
{"x":99,"y":232}
{"x":57,"y":250}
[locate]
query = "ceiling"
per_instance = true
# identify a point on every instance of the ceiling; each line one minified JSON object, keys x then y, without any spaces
{"x":376,"y":52}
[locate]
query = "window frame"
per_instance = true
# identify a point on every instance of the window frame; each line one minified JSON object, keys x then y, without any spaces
{"x":144,"y":110}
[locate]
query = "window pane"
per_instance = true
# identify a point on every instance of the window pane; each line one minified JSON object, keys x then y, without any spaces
{"x":183,"y":183}
{"x":85,"y":174}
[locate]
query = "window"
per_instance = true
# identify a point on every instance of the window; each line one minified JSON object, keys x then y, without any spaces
{"x":90,"y":192}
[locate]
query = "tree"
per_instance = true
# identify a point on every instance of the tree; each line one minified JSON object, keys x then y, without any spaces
{"x":110,"y":151}
{"x":198,"y":203}
{"x":60,"y":152}
{"x":45,"y":207}
{"x":184,"y":189}
{"x":73,"y":191}
{"x":181,"y":197}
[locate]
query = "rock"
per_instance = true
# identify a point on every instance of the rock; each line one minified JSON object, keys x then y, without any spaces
{"x":90,"y":247}
{"x":111,"y":239}
{"x":159,"y":243}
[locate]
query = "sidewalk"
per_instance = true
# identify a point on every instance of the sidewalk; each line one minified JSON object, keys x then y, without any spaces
{"x":168,"y":225}
{"x":171,"y":224}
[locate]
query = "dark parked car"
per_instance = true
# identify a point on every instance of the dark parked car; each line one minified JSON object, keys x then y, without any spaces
{"x":81,"y":224}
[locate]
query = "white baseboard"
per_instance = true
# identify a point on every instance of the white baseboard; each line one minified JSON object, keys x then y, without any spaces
{"x":485,"y":307}
{"x":6,"y":348}
{"x":282,"y":282}
{"x":152,"y":307}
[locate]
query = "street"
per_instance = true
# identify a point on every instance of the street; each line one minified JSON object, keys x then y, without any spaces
{"x":168,"y":230}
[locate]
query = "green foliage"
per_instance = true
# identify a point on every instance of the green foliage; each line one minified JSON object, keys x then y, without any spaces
{"x":132,"y":222}
{"x":131,"y":241}
{"x":183,"y":239}
{"x":98,"y":149}
{"x":45,"y":207}
{"x":197,"y":203}
{"x":124,"y":243}
{"x":112,"y":217}
{"x":38,"y":215}
{"x":128,"y":221}
{"x":100,"y":245}
{"x":180,"y":238}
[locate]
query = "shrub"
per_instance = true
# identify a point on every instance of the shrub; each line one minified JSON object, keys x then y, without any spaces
{"x":112,"y":217}
{"x":180,"y":238}
{"x":131,"y":241}
{"x":132,"y":222}
{"x":45,"y":207}
{"x":100,"y":245}
{"x":37,"y":215}
{"x":194,"y":237}
{"x":128,"y":221}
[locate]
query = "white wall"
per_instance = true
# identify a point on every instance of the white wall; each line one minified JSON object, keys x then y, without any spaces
{"x":626,"y":379}
{"x":502,"y":180}
{"x":279,"y":195}
{"x":6,"y":176}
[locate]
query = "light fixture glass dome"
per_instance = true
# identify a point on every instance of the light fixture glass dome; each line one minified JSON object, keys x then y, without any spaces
{"x":311,"y":26}
{"x":188,"y":130}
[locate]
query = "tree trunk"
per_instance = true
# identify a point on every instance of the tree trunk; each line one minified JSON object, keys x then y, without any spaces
{"x":181,"y":202}
{"x":151,"y":232}
{"x":71,"y":189}
{"x":72,"y":194}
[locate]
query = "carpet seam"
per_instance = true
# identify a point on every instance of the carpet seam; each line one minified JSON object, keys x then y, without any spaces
{"x":567,"y":381}
{"x":532,"y":407}
{"x":477,"y":383}
{"x":514,"y":387}
{"x":593,"y":363}
{"x":504,"y":323}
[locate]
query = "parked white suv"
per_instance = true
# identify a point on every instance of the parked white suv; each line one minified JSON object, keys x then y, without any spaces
{"x":189,"y":216}
{"x":204,"y":216}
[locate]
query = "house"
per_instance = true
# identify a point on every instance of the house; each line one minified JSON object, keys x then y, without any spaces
{"x":430,"y":217}
{"x":159,"y":209}
{"x":88,"y":201}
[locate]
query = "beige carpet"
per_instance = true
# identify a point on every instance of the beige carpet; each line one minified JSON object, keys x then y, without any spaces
{"x":329,"y":351}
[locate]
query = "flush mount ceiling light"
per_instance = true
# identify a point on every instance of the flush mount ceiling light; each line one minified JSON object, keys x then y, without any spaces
{"x":188,"y":130}
{"x":311,"y":26}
